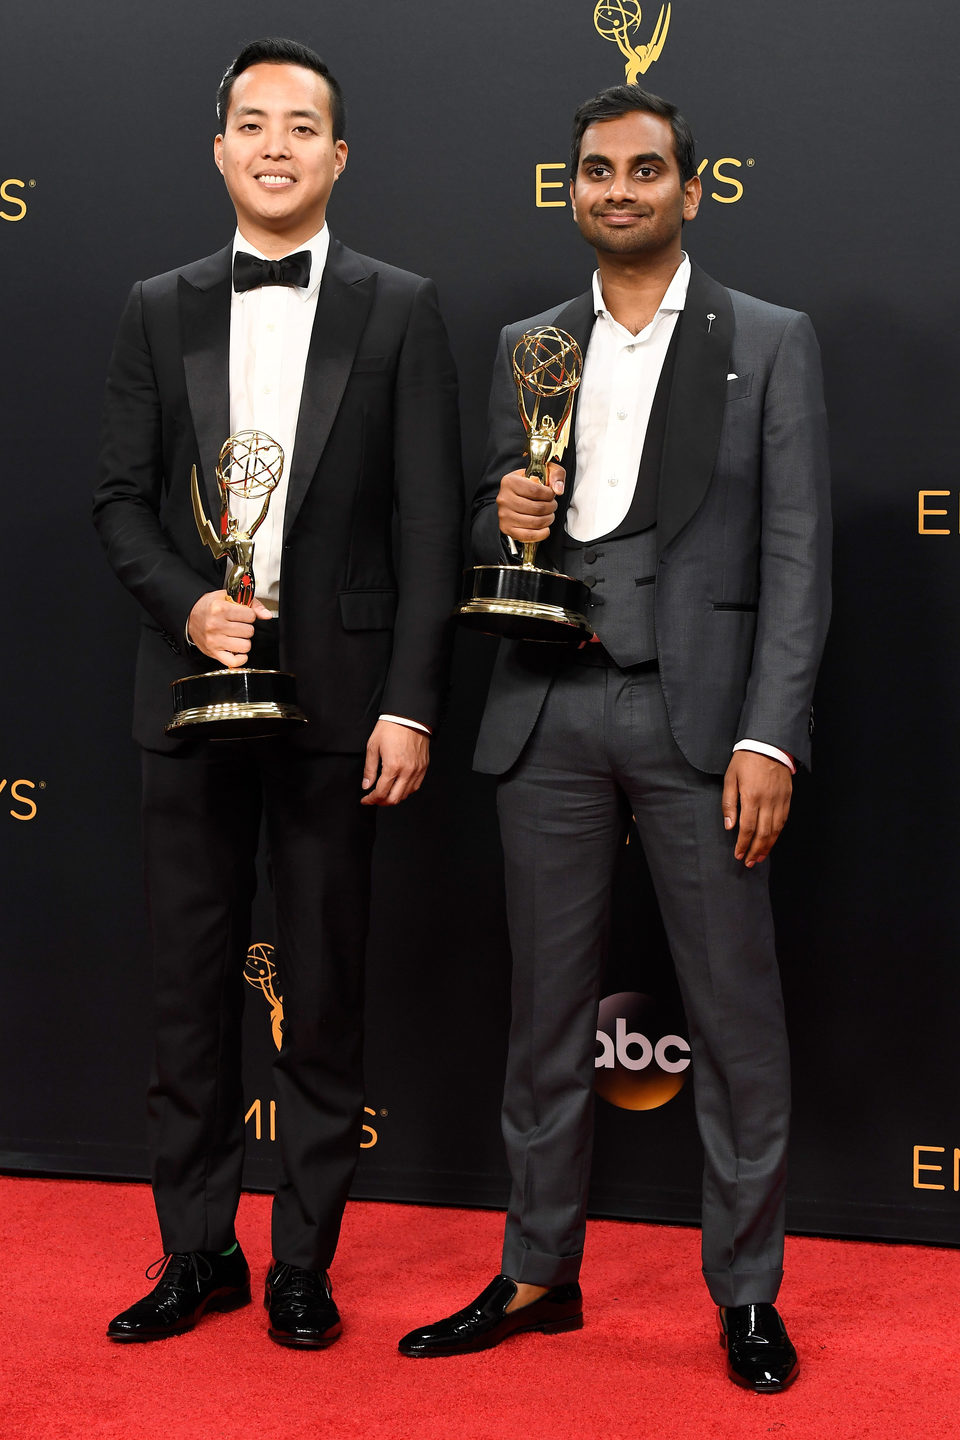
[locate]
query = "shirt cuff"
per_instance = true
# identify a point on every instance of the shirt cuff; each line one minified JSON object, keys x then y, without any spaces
{"x":410,"y":724}
{"x":760,"y":748}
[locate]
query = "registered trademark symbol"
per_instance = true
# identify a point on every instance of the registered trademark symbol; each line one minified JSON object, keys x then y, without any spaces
{"x":751,"y":162}
{"x":32,"y":184}
{"x":41,"y":784}
{"x":384,"y":1113}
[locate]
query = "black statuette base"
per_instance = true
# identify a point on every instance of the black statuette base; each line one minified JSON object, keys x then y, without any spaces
{"x":234,"y":705}
{"x":521,"y":602}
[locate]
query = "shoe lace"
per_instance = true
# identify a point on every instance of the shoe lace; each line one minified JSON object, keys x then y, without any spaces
{"x":178,"y":1268}
{"x":301,"y":1284}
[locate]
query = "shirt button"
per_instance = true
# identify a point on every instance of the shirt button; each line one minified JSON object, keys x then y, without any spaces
{"x":271,"y":328}
{"x":621,"y":414}
{"x":630,"y":349}
{"x":613,"y":480}
{"x":267,"y":390}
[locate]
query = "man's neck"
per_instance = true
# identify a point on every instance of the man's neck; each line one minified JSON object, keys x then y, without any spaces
{"x":275,"y":244}
{"x":633,"y":286}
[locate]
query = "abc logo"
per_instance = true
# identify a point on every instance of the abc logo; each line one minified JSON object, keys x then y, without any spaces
{"x":638,"y":1067}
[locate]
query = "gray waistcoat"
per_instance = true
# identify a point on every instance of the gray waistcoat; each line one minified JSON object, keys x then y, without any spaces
{"x":620,"y":572}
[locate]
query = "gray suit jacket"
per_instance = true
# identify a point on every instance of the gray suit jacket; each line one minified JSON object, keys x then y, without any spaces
{"x":743,"y":532}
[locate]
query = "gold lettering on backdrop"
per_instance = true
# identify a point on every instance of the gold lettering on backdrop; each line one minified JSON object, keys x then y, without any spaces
{"x":718,"y":170}
{"x":28,"y":806}
{"x":256,"y":1112}
{"x":919,"y":1184}
{"x":618,"y":20}
{"x":16,"y":202}
{"x":542,"y":185}
{"x":923,"y":511}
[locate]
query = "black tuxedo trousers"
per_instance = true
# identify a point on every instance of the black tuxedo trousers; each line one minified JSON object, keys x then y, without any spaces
{"x":202,"y":813}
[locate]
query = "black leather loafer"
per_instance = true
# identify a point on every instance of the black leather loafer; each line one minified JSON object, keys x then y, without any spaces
{"x":485,"y":1323}
{"x":300,"y":1306}
{"x":759,"y":1353}
{"x":188,"y":1285}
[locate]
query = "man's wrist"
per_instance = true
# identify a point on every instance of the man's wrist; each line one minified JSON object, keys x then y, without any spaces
{"x":410,"y":724}
{"x":760,"y":747}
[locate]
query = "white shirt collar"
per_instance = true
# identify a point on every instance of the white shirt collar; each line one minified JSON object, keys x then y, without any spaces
{"x":318,"y":245}
{"x":675,"y":296}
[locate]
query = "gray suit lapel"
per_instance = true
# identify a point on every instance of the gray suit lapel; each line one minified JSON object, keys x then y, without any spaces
{"x":697,"y":399}
{"x":204,"y":292}
{"x":343,"y":304}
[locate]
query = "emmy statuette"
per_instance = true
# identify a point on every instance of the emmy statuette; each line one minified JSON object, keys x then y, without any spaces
{"x":523,"y":602}
{"x":246,"y":702}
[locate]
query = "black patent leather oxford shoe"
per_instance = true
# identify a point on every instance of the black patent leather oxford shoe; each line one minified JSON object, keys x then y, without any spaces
{"x":300,"y":1306}
{"x":485,"y":1323}
{"x":759,"y":1353}
{"x":188,"y":1285}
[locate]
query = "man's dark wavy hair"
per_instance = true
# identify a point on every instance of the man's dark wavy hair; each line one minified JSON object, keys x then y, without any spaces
{"x":621,"y":100}
{"x":282,"y":52}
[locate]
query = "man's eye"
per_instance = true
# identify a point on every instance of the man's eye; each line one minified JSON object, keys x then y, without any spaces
{"x":645,"y":171}
{"x":303,"y":130}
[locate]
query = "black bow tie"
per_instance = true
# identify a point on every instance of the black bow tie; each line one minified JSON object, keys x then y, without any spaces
{"x":249,"y":271}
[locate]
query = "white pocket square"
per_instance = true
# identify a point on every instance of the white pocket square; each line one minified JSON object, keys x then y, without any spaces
{"x":733,"y":377}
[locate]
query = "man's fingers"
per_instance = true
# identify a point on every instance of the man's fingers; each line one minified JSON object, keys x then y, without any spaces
{"x":370,"y":763}
{"x":728,"y":802}
{"x":748,"y":826}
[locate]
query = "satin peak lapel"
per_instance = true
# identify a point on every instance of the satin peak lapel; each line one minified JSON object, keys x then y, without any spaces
{"x":343,"y":304}
{"x":204,"y":292}
{"x":697,"y":399}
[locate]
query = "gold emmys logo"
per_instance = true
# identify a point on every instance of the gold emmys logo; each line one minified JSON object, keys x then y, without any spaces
{"x":13,"y":206}
{"x":261,"y":973}
{"x":617,"y":20}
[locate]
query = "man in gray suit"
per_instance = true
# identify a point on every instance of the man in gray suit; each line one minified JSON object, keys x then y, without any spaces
{"x":696,"y":508}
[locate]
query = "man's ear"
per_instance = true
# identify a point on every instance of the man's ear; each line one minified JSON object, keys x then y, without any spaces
{"x":218,"y":153}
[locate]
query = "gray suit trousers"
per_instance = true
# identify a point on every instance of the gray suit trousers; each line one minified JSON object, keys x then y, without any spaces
{"x":604,"y":734}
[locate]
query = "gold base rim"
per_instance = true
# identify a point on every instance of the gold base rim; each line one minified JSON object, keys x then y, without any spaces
{"x":247,"y":710}
{"x":527,"y":610}
{"x":527,"y":570}
{"x":240,"y":670}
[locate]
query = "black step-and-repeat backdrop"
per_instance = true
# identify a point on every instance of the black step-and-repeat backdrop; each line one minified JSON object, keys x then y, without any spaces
{"x":823,"y":131}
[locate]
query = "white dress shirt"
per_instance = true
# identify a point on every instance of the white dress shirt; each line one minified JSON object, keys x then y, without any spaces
{"x":270,"y":330}
{"x":620,"y":376}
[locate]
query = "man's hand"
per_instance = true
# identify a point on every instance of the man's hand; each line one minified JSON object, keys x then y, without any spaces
{"x":762,"y":788}
{"x":402,"y":755}
{"x":525,"y":507}
{"x":223,"y":629}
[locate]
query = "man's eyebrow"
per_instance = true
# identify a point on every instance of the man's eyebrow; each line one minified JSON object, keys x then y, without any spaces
{"x":289,"y":115}
{"x":644,"y":159}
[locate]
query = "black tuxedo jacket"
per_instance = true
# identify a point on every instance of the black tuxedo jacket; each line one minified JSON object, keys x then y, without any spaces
{"x":742,"y":589}
{"x":371,"y":555}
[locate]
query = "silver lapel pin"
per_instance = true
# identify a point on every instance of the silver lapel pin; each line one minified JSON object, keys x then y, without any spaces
{"x":710,"y":320}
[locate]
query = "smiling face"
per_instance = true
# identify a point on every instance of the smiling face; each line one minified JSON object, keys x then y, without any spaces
{"x":628,"y":197}
{"x":277,"y":155}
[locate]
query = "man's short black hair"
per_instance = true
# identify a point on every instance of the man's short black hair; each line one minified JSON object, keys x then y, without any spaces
{"x":282,"y":52}
{"x":620,"y":100}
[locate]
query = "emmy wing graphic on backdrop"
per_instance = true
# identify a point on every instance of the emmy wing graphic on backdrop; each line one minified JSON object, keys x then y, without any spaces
{"x":261,"y":973}
{"x":522,"y":601}
{"x":242,"y":703}
{"x":617,"y":20}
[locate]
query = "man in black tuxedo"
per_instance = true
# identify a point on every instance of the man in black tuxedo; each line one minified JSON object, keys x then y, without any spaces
{"x":343,"y":360}
{"x":696,"y":510}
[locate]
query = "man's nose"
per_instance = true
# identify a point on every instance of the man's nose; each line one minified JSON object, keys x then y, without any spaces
{"x":275,"y":143}
{"x":621,"y":188}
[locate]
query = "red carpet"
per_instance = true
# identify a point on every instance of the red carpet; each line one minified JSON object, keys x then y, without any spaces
{"x":875,"y":1325}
